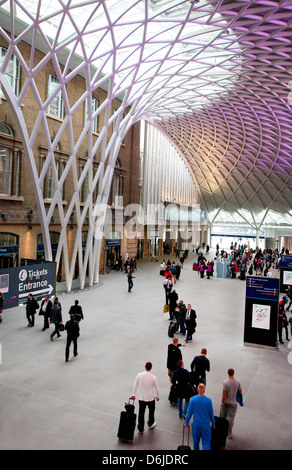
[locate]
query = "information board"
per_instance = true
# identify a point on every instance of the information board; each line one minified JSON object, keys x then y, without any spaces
{"x":285,"y":272}
{"x":261,"y":311}
{"x":17,"y":283}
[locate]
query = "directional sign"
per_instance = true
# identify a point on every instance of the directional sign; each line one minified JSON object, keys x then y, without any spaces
{"x":36,"y":279}
{"x":261,"y":311}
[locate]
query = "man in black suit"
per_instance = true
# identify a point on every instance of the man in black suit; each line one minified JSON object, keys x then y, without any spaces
{"x":72,"y":328}
{"x":45,"y":310}
{"x":190,"y":322}
{"x":77,"y":311}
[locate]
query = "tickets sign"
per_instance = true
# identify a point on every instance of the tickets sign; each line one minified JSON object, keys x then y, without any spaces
{"x":37,"y":279}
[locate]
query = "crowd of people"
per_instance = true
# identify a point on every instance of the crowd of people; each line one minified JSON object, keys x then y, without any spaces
{"x":187,"y":392}
{"x":241,"y":260}
{"x":51,"y":311}
{"x":187,"y":387}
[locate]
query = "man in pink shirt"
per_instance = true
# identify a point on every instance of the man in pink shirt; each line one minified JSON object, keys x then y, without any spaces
{"x":146,"y":385}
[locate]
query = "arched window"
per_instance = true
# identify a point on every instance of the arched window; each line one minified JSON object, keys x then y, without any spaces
{"x":10,"y":158}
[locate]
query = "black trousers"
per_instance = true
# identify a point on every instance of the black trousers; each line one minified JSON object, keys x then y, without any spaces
{"x":46,"y":321}
{"x":56,"y":330}
{"x":68,"y":344}
{"x":141,"y":416}
{"x":30,"y":318}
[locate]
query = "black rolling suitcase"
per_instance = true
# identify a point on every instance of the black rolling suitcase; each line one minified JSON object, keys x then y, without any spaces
{"x":172,"y":397}
{"x":219,"y":434}
{"x":185,"y":447}
{"x":127,"y":422}
{"x":172,"y":329}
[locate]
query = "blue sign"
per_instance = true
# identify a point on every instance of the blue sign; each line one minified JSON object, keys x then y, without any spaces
{"x":286,"y":261}
{"x":113,"y":242}
{"x":258,"y":287}
{"x":9,"y":250}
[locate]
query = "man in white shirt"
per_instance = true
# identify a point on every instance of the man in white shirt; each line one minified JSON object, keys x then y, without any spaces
{"x":45,"y":310}
{"x":147,"y":386}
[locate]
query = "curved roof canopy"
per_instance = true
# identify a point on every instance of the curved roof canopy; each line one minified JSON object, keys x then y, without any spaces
{"x":213,"y":75}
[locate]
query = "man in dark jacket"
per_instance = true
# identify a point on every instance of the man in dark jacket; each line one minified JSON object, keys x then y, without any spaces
{"x":199,"y":366}
{"x":45,"y":310}
{"x":31,"y":308}
{"x":173,"y":298}
{"x":173,"y":356}
{"x":56,"y":318}
{"x":181,"y":379}
{"x":72,"y":328}
{"x":190,"y":322}
{"x":76,"y":310}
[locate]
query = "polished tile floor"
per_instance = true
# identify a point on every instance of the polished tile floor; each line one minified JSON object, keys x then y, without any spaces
{"x":47,"y":403}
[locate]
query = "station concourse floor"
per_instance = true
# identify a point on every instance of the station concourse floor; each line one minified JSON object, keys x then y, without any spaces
{"x":49,"y":404}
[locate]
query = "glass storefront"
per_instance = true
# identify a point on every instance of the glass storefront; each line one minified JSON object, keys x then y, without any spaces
{"x":9,"y":244}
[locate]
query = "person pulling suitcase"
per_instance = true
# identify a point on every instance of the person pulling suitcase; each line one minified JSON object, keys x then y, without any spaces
{"x":146,"y":385}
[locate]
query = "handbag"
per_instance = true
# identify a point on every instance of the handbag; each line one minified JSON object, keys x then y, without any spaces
{"x":166,"y":309}
{"x":61,"y":327}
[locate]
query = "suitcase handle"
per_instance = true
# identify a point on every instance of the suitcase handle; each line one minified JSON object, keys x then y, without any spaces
{"x":183,"y":436}
{"x":129,"y":401}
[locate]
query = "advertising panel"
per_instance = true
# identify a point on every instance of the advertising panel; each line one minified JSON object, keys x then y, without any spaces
{"x":261,"y":311}
{"x":285,"y":272}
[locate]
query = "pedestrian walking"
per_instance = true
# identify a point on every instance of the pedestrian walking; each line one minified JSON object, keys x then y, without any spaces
{"x":130,"y":280}
{"x":56,"y":318}
{"x":199,"y":366}
{"x":72,"y":328}
{"x":231,"y":387}
{"x":201,"y":411}
{"x":181,"y":380}
{"x":31,"y":307}
{"x":77,"y":311}
{"x":45,"y":311}
{"x":173,"y":298}
{"x":174,"y":354}
{"x":147,"y":388}
{"x":180,"y":314}
{"x":167,"y":284}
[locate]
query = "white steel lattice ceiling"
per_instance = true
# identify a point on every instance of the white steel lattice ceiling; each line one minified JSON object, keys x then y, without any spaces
{"x":213,"y":75}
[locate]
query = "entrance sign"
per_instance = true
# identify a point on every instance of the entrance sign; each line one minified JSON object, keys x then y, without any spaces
{"x":36,"y":279}
{"x":261,"y":311}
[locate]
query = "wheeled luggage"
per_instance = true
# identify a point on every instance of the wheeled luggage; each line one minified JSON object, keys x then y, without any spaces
{"x":219,"y":434}
{"x":172,"y":328}
{"x":127,"y":422}
{"x":185,"y":447}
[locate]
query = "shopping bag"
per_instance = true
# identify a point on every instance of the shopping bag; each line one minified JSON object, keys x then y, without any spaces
{"x":166,"y":309}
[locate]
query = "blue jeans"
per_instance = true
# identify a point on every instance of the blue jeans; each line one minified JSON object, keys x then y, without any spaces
{"x":182,"y":412}
{"x":182,"y":326}
{"x":204,"y":432}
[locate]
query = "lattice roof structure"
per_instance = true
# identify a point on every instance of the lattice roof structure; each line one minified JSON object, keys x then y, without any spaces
{"x":213,"y":75}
